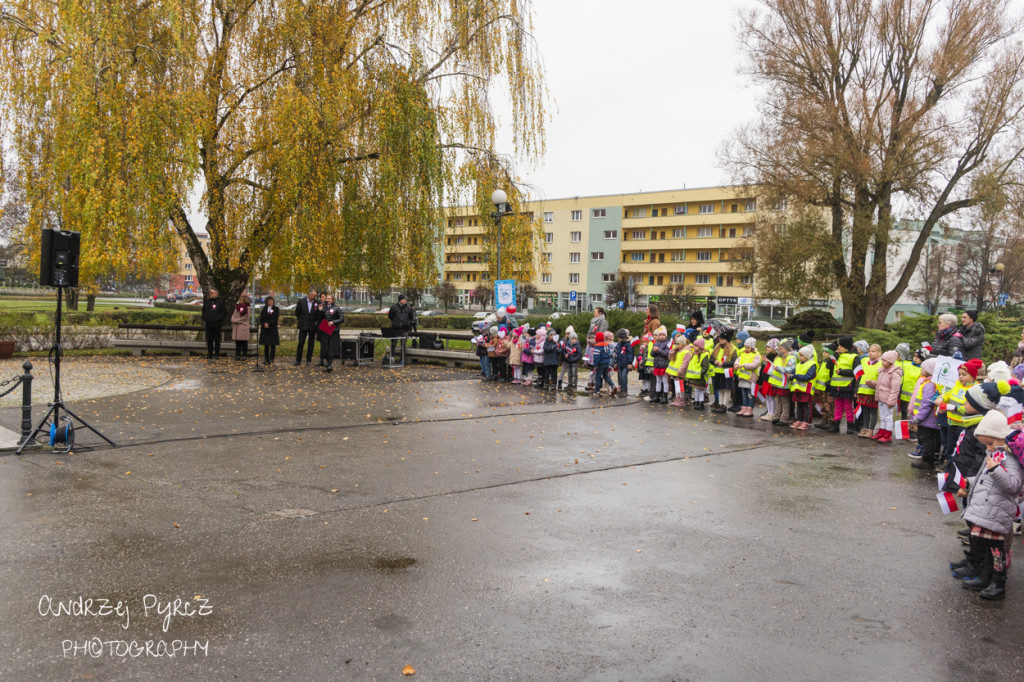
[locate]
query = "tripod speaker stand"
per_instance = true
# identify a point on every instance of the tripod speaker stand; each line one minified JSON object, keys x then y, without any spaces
{"x":59,"y":417}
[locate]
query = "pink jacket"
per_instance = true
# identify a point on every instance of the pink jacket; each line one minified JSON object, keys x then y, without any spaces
{"x":890,"y":382}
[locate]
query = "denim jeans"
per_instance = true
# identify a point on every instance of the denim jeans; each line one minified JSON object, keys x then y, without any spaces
{"x":602,"y":373}
{"x":623,"y":378}
{"x":748,"y":397}
{"x":485,"y":365}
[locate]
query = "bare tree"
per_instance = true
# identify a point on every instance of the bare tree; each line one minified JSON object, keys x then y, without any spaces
{"x":937,"y":277}
{"x":527,"y":291}
{"x":446,"y":294}
{"x":483,"y":294}
{"x":678,"y":298}
{"x":622,"y":288}
{"x":870,"y":104}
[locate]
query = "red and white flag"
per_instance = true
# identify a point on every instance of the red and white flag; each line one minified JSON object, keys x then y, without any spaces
{"x":817,"y":407}
{"x":947,"y":501}
{"x":858,"y":412}
{"x":927,"y":346}
{"x":958,"y":478}
{"x":901,"y":430}
{"x":858,"y":373}
{"x":728,"y":372}
{"x":680,"y":328}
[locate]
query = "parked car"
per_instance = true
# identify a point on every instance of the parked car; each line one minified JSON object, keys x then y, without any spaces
{"x":197,"y":301}
{"x":171,"y":298}
{"x":382,"y":311}
{"x":364,"y":310}
{"x":430,"y":313}
{"x":480,"y":315}
{"x":556,"y":316}
{"x":759,"y":326}
{"x":721,"y":322}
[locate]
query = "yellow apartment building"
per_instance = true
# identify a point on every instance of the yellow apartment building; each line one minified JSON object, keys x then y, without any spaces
{"x":659,"y":239}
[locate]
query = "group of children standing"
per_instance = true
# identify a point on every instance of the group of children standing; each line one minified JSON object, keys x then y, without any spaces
{"x":971,"y":429}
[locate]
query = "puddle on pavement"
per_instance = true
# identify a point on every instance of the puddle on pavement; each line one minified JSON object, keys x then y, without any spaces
{"x":393,"y":563}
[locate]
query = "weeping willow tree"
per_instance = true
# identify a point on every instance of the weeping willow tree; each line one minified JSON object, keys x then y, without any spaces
{"x":311,"y":139}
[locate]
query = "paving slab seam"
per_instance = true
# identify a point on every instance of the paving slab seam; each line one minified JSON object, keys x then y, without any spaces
{"x":338,"y":427}
{"x":538,"y":479}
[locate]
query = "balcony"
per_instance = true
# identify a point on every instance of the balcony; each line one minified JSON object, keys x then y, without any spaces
{"x":465,"y":267}
{"x":464,"y":248}
{"x":690,"y":243}
{"x":690,"y":219}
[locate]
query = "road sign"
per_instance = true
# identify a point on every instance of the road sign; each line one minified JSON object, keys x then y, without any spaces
{"x":1004,"y":299}
{"x":572,"y":297}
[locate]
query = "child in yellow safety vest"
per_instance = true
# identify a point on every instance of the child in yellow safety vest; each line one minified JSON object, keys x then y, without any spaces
{"x":723,"y":357}
{"x":871,"y":365}
{"x":800,"y":389}
{"x":748,"y":366}
{"x":779,"y":379}
{"x":697,"y":372}
{"x":821,"y":395}
{"x":678,"y":358}
{"x":953,"y":404}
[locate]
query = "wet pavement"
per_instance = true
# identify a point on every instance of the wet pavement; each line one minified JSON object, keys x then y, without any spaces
{"x":344,"y":526}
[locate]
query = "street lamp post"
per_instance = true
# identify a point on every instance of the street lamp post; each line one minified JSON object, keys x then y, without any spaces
{"x":501,"y":208}
{"x":999,"y":268}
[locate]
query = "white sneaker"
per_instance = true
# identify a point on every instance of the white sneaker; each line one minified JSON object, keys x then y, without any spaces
{"x":767,"y":417}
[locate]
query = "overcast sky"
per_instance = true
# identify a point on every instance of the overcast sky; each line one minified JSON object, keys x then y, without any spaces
{"x":644,"y":93}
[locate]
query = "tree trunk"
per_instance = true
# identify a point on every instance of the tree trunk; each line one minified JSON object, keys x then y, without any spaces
{"x":90,"y":303}
{"x":71,"y":299}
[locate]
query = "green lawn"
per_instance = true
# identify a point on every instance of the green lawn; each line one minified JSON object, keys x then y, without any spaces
{"x":49,"y":305}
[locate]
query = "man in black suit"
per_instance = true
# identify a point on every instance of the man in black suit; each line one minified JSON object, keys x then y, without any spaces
{"x":304,"y":312}
{"x":214,"y":313}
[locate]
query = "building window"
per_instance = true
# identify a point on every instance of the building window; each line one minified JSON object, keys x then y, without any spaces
{"x":677,"y":279}
{"x":547,"y":257}
{"x":732,"y":233}
{"x":574,"y":257}
{"x":639,"y":234}
{"x":596,"y":298}
{"x":703,"y":255}
{"x":718,"y":279}
{"x":458,"y":276}
{"x":545,"y":279}
{"x":735,"y":208}
{"x":678,"y":256}
{"x":664,"y":212}
{"x":751,"y":206}
{"x":188,"y":278}
{"x":681,"y":210}
{"x":608,"y":277}
{"x":598,"y":213}
{"x":549,"y":216}
{"x":639,"y":212}
{"x":611,"y":234}
{"x":637,"y":257}
{"x":781,"y":206}
{"x":549,"y":237}
{"x":661,"y":257}
{"x":575,"y":237}
{"x":577,"y":216}
{"x":747,"y":280}
{"x":702,"y":279}
{"x":705,"y":232}
{"x":748,"y":231}
{"x":679,"y":233}
{"x":574,"y":278}
{"x":597,"y":255}
{"x":459,"y":222}
{"x":459,"y":241}
{"x":661,"y":280}
{"x":707,"y":208}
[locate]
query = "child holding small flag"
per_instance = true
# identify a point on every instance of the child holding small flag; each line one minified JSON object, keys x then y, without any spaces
{"x":783,"y":368}
{"x":723,"y":358}
{"x":842,"y":385}
{"x":764,"y":388}
{"x":660,"y":353}
{"x":822,"y":397}
{"x":571,"y":355}
{"x":622,"y":361}
{"x":697,"y":372}
{"x":887,"y":394}
{"x":922,"y":409}
{"x":678,"y":358}
{"x":748,"y":368}
{"x":991,"y":507}
{"x":870,"y":365}
{"x":800,"y":389}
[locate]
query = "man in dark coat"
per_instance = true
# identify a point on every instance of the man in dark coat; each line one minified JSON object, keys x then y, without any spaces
{"x":401,"y":316}
{"x":214,"y":313}
{"x":305,"y":311}
{"x":973,"y":334}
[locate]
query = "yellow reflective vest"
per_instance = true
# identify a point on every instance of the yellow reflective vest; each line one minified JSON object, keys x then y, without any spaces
{"x":821,"y":379}
{"x":845,"y":361}
{"x":776,"y":377}
{"x":675,"y":367}
{"x":911,"y":373}
{"x":954,"y":399}
{"x":695,"y":370}
{"x":649,"y":355}
{"x":871,"y":371}
{"x":802,"y":368}
{"x":747,"y":357}
{"x":718,"y":356}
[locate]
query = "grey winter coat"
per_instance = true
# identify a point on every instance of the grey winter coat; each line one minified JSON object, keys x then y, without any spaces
{"x":660,"y":353}
{"x":973,"y":340}
{"x":598,"y":324}
{"x":992,"y":502}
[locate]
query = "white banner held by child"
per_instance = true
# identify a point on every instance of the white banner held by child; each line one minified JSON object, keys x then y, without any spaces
{"x":947,"y":371}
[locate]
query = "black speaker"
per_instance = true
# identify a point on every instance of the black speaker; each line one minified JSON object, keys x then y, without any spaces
{"x":58,"y":260}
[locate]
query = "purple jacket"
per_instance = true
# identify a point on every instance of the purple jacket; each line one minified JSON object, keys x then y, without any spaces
{"x":925,"y":415}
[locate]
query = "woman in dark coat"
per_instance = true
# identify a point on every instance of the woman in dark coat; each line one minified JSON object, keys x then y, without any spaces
{"x":330,"y":349}
{"x":269,"y":336}
{"x":318,"y":317}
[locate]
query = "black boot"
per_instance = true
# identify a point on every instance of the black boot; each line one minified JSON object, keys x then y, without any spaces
{"x":926,"y":464}
{"x":833,"y":427}
{"x":983,"y":579}
{"x":664,"y":398}
{"x":997,"y":588}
